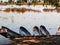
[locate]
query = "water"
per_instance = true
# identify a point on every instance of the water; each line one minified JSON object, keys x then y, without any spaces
{"x":14,"y":20}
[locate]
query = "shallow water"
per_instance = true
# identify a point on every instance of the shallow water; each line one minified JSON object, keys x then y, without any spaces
{"x":14,"y":20}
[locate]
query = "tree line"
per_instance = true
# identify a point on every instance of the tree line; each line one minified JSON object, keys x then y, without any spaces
{"x":46,"y":2}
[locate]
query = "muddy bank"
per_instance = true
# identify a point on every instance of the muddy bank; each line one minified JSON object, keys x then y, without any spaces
{"x":19,"y":10}
{"x":33,"y":10}
{"x":38,"y":40}
{"x":51,"y":10}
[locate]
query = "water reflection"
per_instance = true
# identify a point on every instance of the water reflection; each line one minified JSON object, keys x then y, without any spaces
{"x":29,"y":20}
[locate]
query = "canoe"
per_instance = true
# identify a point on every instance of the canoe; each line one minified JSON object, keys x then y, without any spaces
{"x":24,"y":30}
{"x":11,"y":32}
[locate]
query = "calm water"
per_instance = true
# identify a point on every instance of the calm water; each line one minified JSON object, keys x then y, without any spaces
{"x":14,"y":20}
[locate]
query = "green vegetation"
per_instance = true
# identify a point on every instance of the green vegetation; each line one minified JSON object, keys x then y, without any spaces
{"x":55,"y":3}
{"x":52,"y":2}
{"x":10,"y":1}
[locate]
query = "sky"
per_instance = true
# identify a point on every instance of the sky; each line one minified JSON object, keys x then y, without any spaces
{"x":5,"y":0}
{"x":15,"y":0}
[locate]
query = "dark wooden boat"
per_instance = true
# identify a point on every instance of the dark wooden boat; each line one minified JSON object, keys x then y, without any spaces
{"x":23,"y":29}
{"x":11,"y":32}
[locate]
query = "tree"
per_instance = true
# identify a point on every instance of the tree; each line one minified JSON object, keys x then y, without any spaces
{"x":19,"y":1}
{"x":10,"y":1}
{"x":25,"y":0}
{"x":52,"y":2}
